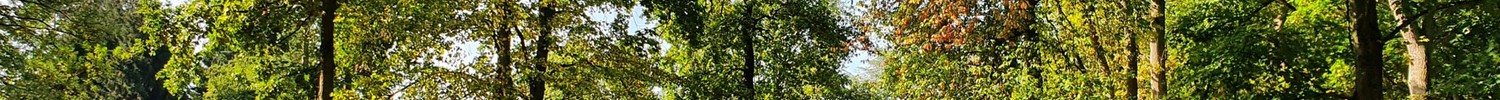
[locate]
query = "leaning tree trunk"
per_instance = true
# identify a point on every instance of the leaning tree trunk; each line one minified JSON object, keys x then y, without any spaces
{"x":326,"y":70}
{"x":1367,"y":54}
{"x":538,"y":88}
{"x":1159,"y":48}
{"x":1416,"y":74}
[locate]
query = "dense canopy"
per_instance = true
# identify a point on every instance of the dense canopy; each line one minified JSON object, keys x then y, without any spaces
{"x":749,"y":49}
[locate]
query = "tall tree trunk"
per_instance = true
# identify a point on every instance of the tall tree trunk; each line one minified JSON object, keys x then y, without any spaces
{"x":1367,"y":55}
{"x":1158,"y":48}
{"x":749,"y":50}
{"x":326,"y":66}
{"x":749,"y":70}
{"x":544,"y":40}
{"x":1130,"y":82}
{"x":1416,"y":74}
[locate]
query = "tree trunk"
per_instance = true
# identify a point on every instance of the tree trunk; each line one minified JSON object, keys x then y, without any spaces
{"x":1158,"y":48}
{"x":1130,"y":82}
{"x":503,"y":51}
{"x":1416,"y":74}
{"x":750,"y":66}
{"x":326,"y":66}
{"x":1367,"y":54}
{"x":544,"y":40}
{"x":749,"y":50}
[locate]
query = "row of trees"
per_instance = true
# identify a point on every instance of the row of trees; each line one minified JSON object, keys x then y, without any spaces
{"x":748,"y":49}
{"x":1257,"y":49}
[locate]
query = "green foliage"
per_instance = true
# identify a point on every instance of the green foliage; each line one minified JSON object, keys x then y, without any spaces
{"x":697,"y":49}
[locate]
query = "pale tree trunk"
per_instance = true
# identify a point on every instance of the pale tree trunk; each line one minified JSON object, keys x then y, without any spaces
{"x":1416,"y":73}
{"x":1158,"y":48}
{"x":326,"y":65}
{"x":1367,"y":51}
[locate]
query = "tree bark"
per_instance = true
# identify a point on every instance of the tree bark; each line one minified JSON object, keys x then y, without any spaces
{"x":1416,"y":73}
{"x":1158,"y":48}
{"x":1367,"y":54}
{"x":326,"y":66}
{"x":538,"y":87}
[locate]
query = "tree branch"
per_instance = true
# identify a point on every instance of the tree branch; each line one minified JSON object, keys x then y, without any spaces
{"x":1445,"y":7}
{"x":20,"y":17}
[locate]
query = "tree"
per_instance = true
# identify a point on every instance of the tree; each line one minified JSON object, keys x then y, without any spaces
{"x":61,"y":49}
{"x":502,"y":42}
{"x":1367,"y":46}
{"x":538,"y":88}
{"x":930,"y":40}
{"x":326,"y":49}
{"x":748,"y":38}
{"x":1416,"y":52}
{"x":1158,"y":49}
{"x":747,"y":49}
{"x":802,"y":34}
{"x":250,"y":49}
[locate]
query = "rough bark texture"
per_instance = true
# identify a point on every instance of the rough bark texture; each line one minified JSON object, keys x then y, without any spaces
{"x":1367,"y":51}
{"x":326,"y":65}
{"x":1416,"y":73}
{"x":544,"y":40}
